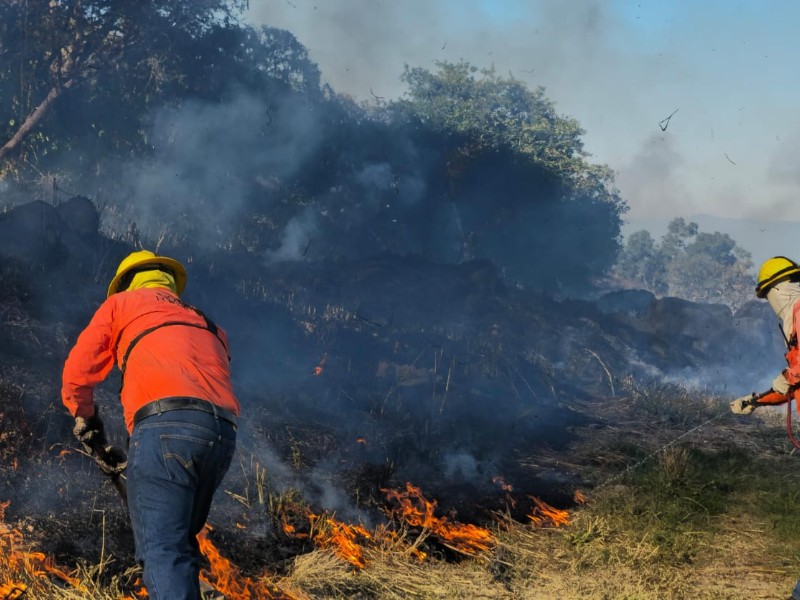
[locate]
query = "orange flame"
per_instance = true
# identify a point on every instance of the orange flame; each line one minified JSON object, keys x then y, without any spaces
{"x":320,"y":367}
{"x":347,"y":541}
{"x":228,"y":580}
{"x":12,"y":591}
{"x":544,"y":514}
{"x":501,"y":482}
{"x":415,"y":510}
{"x":361,"y":440}
{"x":329,"y":532}
{"x":141,"y":592}
{"x":392,"y":538}
{"x":23,"y":564}
{"x":579,"y":497}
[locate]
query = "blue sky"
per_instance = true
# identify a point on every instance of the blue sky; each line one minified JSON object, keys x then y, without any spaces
{"x":619,"y":67}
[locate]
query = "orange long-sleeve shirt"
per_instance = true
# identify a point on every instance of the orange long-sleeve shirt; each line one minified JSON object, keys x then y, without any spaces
{"x":175,"y":360}
{"x":792,"y":373}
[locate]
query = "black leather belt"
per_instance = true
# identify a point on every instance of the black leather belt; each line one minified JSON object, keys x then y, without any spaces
{"x":181,"y":403}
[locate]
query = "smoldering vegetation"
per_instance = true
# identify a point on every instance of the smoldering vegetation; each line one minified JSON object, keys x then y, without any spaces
{"x":359,"y":374}
{"x":413,"y":290}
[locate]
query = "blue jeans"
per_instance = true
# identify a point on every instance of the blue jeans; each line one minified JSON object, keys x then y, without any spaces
{"x":176,"y":461}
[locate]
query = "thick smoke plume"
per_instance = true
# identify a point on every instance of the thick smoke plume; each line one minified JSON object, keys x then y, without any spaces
{"x":207,"y":156}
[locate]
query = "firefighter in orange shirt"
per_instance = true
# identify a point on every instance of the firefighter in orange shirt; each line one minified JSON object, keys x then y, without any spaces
{"x":179,"y":407}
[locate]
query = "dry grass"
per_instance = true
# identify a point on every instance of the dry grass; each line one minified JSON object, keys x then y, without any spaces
{"x":716,"y":516}
{"x":392,"y":575}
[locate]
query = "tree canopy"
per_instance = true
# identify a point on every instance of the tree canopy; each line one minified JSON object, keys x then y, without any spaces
{"x":516,"y":170}
{"x":174,"y":111}
{"x":698,"y":266}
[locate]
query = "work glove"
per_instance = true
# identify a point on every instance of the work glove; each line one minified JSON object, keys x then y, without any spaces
{"x":111,"y":460}
{"x":744,"y":405}
{"x":91,"y":433}
{"x":780,"y":384}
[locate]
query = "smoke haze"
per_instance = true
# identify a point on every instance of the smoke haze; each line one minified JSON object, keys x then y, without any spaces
{"x":620,"y":68}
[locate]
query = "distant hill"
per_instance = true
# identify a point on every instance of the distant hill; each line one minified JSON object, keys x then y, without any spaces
{"x":762,"y":239}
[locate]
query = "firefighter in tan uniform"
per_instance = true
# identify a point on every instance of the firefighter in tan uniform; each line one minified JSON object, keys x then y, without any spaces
{"x":779,"y":283}
{"x":179,"y":407}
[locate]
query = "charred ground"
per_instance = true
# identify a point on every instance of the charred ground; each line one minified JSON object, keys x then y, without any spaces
{"x":358,"y":376}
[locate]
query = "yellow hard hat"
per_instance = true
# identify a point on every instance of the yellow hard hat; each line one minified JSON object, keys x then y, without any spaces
{"x":144,"y":260}
{"x":774,"y":270}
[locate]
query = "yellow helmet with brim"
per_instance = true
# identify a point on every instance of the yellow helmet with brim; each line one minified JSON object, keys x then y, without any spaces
{"x":775,"y":270}
{"x":144,"y":260}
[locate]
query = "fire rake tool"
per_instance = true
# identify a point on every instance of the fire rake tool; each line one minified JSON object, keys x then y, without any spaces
{"x":101,"y":453}
{"x":117,"y":480}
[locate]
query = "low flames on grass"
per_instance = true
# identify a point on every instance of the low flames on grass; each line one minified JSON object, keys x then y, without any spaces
{"x":413,"y":525}
{"x":325,"y":531}
{"x":544,"y":514}
{"x":417,"y":511}
{"x":413,"y":522}
{"x":227,"y":578}
{"x":23,"y":569}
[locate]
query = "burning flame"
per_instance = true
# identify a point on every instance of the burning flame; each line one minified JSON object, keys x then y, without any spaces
{"x":328,"y":532}
{"x":415,"y":510}
{"x":579,"y":497}
{"x":507,"y":488}
{"x":140,"y":592}
{"x":331,"y":533}
{"x":21,"y":564}
{"x":501,"y":482}
{"x":227,"y":579}
{"x":544,"y":514}
{"x":12,"y":591}
{"x":321,"y":366}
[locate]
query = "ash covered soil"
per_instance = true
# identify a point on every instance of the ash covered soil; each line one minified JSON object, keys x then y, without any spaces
{"x":357,"y":377}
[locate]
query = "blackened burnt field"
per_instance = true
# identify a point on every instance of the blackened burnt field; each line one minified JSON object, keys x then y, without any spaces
{"x":355,"y":377}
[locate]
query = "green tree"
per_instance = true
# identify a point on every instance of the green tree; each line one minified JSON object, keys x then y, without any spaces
{"x":712,"y":269}
{"x":493,"y":112}
{"x":695,"y":265}
{"x":51,"y":48}
{"x":642,"y":262}
{"x":520,"y":184}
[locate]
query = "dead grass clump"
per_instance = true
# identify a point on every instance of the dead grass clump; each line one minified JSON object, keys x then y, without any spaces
{"x":586,"y":560}
{"x":674,"y":464}
{"x":322,"y":575}
{"x":672,"y":404}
